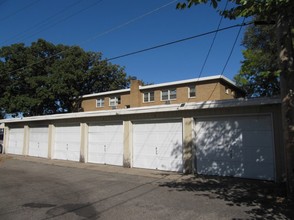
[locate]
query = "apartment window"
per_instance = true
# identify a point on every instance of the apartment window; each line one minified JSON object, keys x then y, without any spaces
{"x":100,"y":102}
{"x":227,"y":90}
{"x":192,"y":91}
{"x":148,"y":97}
{"x":114,"y":101}
{"x":168,"y":94}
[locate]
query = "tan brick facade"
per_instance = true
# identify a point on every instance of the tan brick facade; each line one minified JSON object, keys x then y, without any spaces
{"x":205,"y":90}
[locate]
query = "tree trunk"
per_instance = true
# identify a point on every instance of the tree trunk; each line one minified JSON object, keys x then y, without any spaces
{"x":287,"y":95}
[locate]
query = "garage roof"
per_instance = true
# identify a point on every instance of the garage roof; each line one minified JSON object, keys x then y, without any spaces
{"x":153,"y":109}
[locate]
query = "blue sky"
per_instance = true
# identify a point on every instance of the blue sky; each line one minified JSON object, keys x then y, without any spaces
{"x":116,"y":27}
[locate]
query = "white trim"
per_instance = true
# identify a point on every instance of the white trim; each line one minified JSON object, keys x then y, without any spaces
{"x":100,"y":102}
{"x":115,"y":99}
{"x":152,"y":109}
{"x":168,"y":94}
{"x":106,"y":93}
{"x":189,"y":91}
{"x":149,"y":95}
{"x":188,"y":81}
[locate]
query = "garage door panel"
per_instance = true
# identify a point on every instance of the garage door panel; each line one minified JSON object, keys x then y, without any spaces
{"x":16,"y":138}
{"x":258,"y":171}
{"x":106,"y":143}
{"x":38,"y":142}
{"x":234,"y":145}
{"x":220,"y":168}
{"x":67,"y":142}
{"x":260,"y":123}
{"x":265,"y":141}
{"x":146,"y":161}
{"x":258,"y":155}
{"x":157,"y":145}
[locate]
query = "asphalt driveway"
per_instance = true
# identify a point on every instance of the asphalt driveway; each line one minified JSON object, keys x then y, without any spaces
{"x":33,"y":188}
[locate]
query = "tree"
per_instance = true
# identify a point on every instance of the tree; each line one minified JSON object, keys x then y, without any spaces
{"x":259,"y":74}
{"x":45,"y":78}
{"x":282,"y":13}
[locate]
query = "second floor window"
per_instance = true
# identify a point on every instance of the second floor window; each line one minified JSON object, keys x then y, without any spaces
{"x":192,"y":91}
{"x":100,"y":102}
{"x":168,"y":94}
{"x":114,"y":101}
{"x":148,"y":97}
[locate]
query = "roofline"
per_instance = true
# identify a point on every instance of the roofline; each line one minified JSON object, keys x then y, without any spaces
{"x":165,"y":84}
{"x":188,"y":81}
{"x":151,"y":109}
{"x":106,"y":93}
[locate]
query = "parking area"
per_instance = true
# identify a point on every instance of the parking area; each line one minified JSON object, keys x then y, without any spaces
{"x":34,"y":188}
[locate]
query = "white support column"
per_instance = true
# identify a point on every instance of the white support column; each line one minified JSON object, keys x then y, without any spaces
{"x":51,"y":139}
{"x":26,"y":134}
{"x":128,"y":144}
{"x":187,"y":145}
{"x":6,"y":139}
{"x":84,"y":143}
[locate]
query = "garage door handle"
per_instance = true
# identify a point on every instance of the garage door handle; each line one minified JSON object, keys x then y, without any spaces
{"x":156,"y":150}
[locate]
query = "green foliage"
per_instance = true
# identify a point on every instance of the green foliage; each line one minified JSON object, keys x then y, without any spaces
{"x":260,"y":71}
{"x":265,"y":9}
{"x":259,"y":74}
{"x":45,"y":78}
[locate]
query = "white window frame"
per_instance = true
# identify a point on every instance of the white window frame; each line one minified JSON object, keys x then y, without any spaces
{"x":114,"y":101}
{"x":227,"y":90}
{"x":100,"y":102}
{"x":148,"y":96}
{"x":189,"y":91}
{"x":169,"y":93}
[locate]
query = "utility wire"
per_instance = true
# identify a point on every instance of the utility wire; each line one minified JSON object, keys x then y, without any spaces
{"x":106,"y":32}
{"x":42,"y":23}
{"x":230,"y":54}
{"x":212,"y":43}
{"x":129,"y":22}
{"x":63,"y":19}
{"x":233,"y":47}
{"x":150,"y":48}
{"x":19,"y":10}
{"x":178,"y":41}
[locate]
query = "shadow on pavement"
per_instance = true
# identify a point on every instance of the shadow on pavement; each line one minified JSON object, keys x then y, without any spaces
{"x":267,"y":199}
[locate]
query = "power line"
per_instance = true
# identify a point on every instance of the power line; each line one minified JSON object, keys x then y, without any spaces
{"x":147,"y":49}
{"x":178,"y":41}
{"x":42,"y":23}
{"x":212,"y":43}
{"x":19,"y":10}
{"x":233,"y":47}
{"x":63,"y":19}
{"x":130,"y":21}
{"x":230,"y":54}
{"x":106,"y":32}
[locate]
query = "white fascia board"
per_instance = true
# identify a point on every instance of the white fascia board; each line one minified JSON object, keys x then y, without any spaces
{"x":152,"y":109}
{"x":106,"y":93}
{"x":188,"y":81}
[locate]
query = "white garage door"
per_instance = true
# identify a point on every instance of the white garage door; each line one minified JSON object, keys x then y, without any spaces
{"x":38,"y":142}
{"x":105,"y":144}
{"x":15,"y":143}
{"x":235,"y":146}
{"x":158,"y":145}
{"x":67,"y":143}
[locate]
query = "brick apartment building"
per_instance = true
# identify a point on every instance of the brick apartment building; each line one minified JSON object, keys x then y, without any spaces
{"x":193,"y":90}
